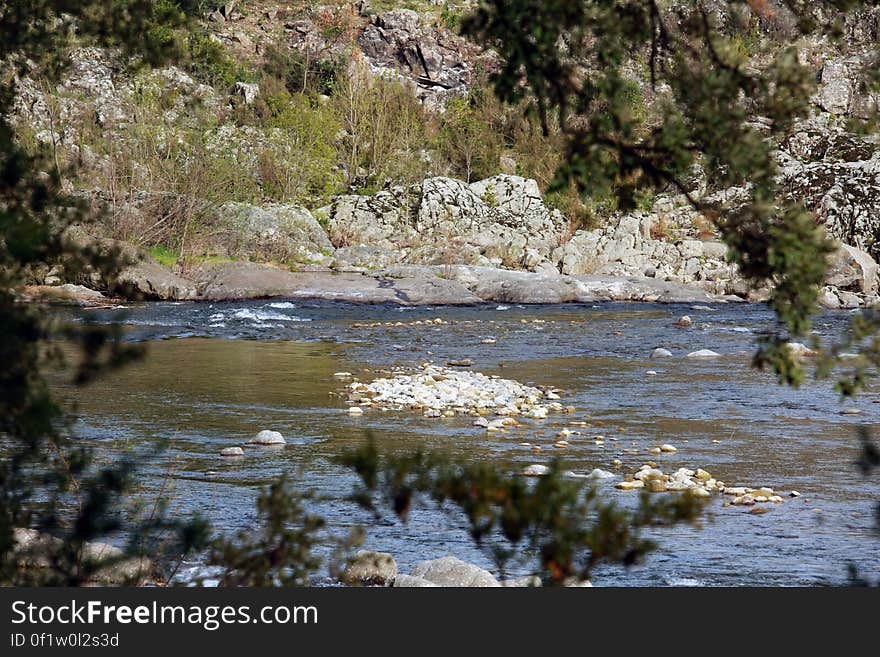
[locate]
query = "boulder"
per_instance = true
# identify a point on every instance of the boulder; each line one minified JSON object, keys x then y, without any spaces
{"x":432,"y":290}
{"x":828,"y":298}
{"x":840,"y":89}
{"x":266,"y":437}
{"x":453,"y":572}
{"x":368,"y":568}
{"x":703,"y":353}
{"x":521,"y":198}
{"x":505,"y":286}
{"x":524,"y":582}
{"x":850,"y":268}
{"x":248,"y":92}
{"x":156,"y":282}
{"x":105,"y":564}
{"x":535,"y":470}
{"x":282,"y":233}
{"x":382,"y":220}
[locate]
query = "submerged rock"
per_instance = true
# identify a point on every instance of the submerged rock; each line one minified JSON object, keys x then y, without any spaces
{"x":800,"y":350}
{"x":703,"y":353}
{"x":598,"y":473}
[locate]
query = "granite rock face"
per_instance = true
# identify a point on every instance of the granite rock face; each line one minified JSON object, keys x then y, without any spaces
{"x":281,"y":233}
{"x":500,"y":220}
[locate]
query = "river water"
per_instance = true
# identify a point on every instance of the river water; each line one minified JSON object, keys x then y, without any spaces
{"x":216,"y":374}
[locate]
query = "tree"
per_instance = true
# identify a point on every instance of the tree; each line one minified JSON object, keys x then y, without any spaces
{"x":715,"y":108}
{"x":48,"y":481}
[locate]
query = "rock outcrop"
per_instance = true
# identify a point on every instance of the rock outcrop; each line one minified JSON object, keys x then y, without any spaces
{"x":501,"y":220}
{"x":438,"y":63}
{"x":626,"y":248}
{"x":153,"y":282}
{"x":281,"y":233}
{"x":840,"y":89}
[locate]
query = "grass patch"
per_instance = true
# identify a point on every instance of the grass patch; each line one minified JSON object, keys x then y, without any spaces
{"x":164,"y":256}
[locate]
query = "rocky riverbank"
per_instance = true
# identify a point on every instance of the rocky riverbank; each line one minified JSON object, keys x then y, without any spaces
{"x":445,"y":244}
{"x":429,"y":238}
{"x":408,"y":285}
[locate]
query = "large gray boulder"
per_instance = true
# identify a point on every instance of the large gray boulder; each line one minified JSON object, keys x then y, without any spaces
{"x":453,"y":572}
{"x":67,"y":294}
{"x":154,"y":282}
{"x":385,"y":219}
{"x":501,"y":285}
{"x":521,"y":198}
{"x":284,"y":233}
{"x":850,"y":268}
{"x":410,"y":582}
{"x":243,"y":280}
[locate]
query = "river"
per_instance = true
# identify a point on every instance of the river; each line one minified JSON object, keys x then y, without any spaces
{"x":216,"y":374}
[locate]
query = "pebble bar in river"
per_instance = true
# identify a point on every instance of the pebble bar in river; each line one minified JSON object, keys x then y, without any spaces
{"x":699,"y":483}
{"x":435,"y":390}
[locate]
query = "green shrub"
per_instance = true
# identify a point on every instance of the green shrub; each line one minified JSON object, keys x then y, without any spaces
{"x":211,"y":63}
{"x":299,"y":160}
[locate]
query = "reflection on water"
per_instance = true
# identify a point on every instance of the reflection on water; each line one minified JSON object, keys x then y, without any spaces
{"x":234,"y":369}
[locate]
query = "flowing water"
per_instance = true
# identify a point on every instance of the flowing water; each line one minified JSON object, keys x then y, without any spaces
{"x":218,"y":373}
